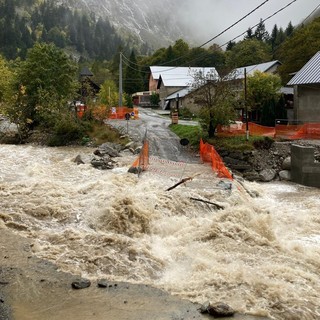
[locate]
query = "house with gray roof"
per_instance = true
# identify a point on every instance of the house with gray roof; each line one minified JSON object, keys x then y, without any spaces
{"x":306,"y":84}
{"x":266,"y":67}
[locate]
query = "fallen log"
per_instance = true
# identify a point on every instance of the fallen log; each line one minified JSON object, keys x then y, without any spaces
{"x":219,"y":207}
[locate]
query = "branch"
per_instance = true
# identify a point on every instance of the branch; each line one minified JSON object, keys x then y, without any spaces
{"x":208,"y":202}
{"x":183,"y":181}
{"x":180,"y":182}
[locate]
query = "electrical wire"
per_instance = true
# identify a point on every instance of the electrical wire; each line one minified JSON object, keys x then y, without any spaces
{"x":269,"y":17}
{"x":225,"y":30}
{"x":275,"y":49}
{"x":221,"y":46}
{"x":251,"y":28}
{"x":222,"y":32}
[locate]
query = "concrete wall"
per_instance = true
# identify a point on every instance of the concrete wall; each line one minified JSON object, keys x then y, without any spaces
{"x":165,"y":92}
{"x":307,"y":103}
{"x":304,"y":169}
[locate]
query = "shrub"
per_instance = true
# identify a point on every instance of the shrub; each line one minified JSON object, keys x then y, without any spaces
{"x":67,"y":130}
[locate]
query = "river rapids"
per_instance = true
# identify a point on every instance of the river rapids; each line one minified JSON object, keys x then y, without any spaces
{"x":260,"y":253}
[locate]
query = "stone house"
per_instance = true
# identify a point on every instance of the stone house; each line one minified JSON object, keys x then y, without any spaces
{"x":306,"y":84}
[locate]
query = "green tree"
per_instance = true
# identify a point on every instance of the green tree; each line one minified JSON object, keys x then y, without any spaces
{"x":249,"y":34}
{"x":289,"y":30}
{"x":154,"y":99}
{"x":109,"y":94}
{"x":48,"y":79}
{"x":180,"y":52}
{"x":6,"y":81}
{"x":261,"y":33}
{"x":263,"y":94}
{"x":217,"y":101}
{"x":248,"y":52}
{"x":299,"y":48}
{"x":132,"y":76}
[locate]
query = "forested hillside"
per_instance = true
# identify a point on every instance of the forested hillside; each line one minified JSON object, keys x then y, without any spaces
{"x":25,"y":22}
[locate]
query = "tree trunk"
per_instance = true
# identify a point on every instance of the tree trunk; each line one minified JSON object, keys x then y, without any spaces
{"x":211,"y":129}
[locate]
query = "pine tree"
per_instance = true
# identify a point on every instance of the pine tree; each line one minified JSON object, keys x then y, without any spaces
{"x":132,"y":76}
{"x":289,"y":30}
{"x":249,"y":34}
{"x":261,"y":33}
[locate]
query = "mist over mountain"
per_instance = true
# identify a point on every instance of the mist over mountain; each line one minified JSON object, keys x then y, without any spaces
{"x":152,"y":22}
{"x":97,"y":29}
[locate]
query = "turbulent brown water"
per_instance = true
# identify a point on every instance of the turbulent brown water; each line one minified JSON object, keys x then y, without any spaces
{"x":259,"y":254}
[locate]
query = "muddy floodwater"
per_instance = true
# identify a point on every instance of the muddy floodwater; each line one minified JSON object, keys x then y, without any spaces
{"x":260,"y":254}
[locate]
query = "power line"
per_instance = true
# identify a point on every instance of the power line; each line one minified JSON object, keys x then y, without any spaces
{"x":251,"y":28}
{"x":243,"y":33}
{"x":225,"y":30}
{"x":274,"y":50}
{"x":261,"y":21}
{"x":222,"y":32}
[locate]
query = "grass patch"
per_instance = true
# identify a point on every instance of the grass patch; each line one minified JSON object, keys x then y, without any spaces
{"x":234,"y":143}
{"x":192,"y":133}
{"x":101,"y":133}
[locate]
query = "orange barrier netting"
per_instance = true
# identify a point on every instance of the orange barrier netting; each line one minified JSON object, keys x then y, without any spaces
{"x":287,"y":131}
{"x":143,"y":160}
{"x":240,"y":129}
{"x":120,"y":112}
{"x":307,"y":131}
{"x":209,"y":154}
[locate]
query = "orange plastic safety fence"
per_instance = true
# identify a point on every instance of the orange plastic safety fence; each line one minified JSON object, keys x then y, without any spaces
{"x":308,"y":131}
{"x":120,"y":113}
{"x":209,"y":154}
{"x":143,"y":160}
{"x":258,"y":130}
{"x":239,"y":128}
{"x":287,"y":131}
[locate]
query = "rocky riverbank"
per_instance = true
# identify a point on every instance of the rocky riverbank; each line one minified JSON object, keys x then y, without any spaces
{"x":265,"y":164}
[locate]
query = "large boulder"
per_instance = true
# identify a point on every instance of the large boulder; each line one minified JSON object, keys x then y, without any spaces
{"x":285,"y":175}
{"x":217,"y":310}
{"x":286,"y":164}
{"x":267,"y":175}
{"x":103,"y":163}
{"x":108,"y":149}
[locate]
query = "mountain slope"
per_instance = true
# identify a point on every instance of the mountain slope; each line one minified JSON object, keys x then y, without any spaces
{"x":152,"y":22}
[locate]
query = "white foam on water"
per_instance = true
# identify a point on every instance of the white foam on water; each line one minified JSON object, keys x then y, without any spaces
{"x":261,"y":255}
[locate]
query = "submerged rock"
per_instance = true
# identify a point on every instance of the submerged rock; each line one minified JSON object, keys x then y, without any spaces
{"x":102,"y":163}
{"x":135,"y":170}
{"x":102,"y":283}
{"x":78,"y":160}
{"x":218,"y":310}
{"x":81,"y":284}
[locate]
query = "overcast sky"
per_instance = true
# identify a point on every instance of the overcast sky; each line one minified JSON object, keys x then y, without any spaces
{"x":207,"y":18}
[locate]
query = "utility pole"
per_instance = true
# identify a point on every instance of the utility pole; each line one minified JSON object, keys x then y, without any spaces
{"x":245,"y":102}
{"x":120,"y":81}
